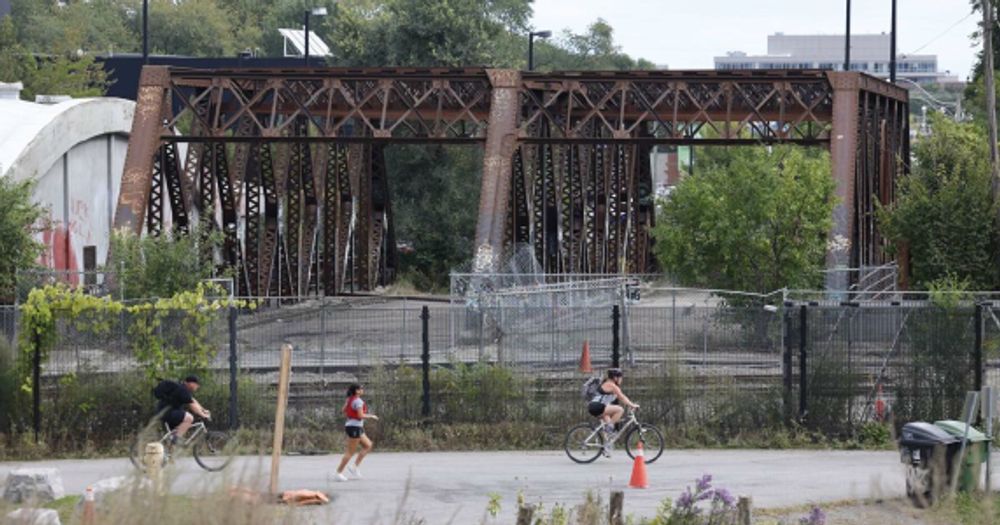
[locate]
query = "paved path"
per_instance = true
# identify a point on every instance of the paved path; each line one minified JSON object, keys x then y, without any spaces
{"x":445,"y":487}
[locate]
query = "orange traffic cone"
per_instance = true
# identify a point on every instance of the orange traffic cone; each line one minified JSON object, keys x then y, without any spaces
{"x":585,"y":358}
{"x":639,"y":480}
{"x":89,"y":510}
{"x":879,"y":404}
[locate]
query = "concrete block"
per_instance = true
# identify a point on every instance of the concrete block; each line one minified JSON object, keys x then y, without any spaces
{"x":37,"y":485}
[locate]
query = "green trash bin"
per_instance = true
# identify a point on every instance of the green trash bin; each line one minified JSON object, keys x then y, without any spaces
{"x":975,"y":453}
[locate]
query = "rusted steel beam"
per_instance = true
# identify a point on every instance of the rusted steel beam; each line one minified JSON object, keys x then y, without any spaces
{"x":137,"y":176}
{"x":564,"y":167}
{"x":843,"y":156}
{"x":497,"y":166}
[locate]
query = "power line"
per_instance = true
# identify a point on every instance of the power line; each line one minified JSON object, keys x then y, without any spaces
{"x":945,"y":32}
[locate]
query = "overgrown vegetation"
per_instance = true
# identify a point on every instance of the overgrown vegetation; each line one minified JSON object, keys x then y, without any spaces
{"x":750,"y":219}
{"x":19,"y":221}
{"x":944,"y":215}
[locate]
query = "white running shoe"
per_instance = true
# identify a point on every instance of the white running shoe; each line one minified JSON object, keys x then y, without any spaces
{"x":339,"y":477}
{"x":355,"y":471}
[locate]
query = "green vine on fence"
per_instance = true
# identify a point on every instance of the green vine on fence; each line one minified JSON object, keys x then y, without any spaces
{"x":187,"y":346}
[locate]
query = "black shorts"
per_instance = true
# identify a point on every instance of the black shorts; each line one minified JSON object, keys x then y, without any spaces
{"x":174,"y":416}
{"x":354,"y":432}
{"x":596,"y":408}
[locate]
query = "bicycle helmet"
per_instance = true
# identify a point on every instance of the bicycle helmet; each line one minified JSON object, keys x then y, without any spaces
{"x":615,"y":372}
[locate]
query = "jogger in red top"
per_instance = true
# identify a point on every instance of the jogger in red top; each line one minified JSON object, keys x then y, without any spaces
{"x":356,"y":412}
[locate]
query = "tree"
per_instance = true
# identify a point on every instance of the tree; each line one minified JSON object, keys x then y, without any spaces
{"x":594,"y":49}
{"x":159,"y":266}
{"x":944,"y":213}
{"x":94,"y":26}
{"x":750,"y":219}
{"x":19,"y":222}
{"x":192,"y":28}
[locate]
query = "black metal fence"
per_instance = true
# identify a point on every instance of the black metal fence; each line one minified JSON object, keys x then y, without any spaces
{"x":723,"y":370}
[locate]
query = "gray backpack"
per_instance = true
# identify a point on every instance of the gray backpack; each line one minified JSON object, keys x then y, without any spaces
{"x":589,"y":389}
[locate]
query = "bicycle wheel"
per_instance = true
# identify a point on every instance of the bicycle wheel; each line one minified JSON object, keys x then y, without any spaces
{"x":652,"y":442}
{"x":583,"y":444}
{"x":138,"y":448}
{"x":214,"y":451}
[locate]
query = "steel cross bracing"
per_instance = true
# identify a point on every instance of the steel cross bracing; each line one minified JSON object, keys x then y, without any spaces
{"x":290,"y":164}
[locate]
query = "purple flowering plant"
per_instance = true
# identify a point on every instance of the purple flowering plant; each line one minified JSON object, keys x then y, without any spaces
{"x":701,"y":505}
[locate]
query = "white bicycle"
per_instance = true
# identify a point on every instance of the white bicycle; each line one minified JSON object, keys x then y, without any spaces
{"x":585,"y":442}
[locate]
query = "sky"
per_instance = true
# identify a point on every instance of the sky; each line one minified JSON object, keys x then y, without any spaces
{"x":686,"y":34}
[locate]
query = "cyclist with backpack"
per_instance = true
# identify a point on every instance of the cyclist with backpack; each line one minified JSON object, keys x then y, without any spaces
{"x":606,"y":399}
{"x":175,"y":404}
{"x":356,"y":412}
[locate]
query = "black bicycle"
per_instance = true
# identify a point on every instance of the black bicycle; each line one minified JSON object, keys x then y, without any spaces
{"x":212,"y":449}
{"x":587,"y":441}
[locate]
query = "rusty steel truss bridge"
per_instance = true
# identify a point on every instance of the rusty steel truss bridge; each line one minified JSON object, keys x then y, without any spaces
{"x":287,"y":165}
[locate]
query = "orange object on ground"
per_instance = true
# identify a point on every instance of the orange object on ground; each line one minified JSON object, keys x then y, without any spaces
{"x":639,"y":479}
{"x":879,"y":405}
{"x":585,"y":358}
{"x":304,"y":497}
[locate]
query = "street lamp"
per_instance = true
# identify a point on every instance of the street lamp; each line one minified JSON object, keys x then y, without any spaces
{"x":316,"y":11}
{"x":531,"y":46}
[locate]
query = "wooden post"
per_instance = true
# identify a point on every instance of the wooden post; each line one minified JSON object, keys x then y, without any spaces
{"x":524,"y":514}
{"x":279,"y":414}
{"x":153,"y":461}
{"x":744,"y":512}
{"x":615,"y":514}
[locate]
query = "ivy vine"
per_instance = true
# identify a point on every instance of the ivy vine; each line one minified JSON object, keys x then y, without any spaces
{"x":166,"y":336}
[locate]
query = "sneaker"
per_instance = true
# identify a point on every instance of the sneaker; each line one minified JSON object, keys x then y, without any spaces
{"x":339,"y":477}
{"x":355,"y":471}
{"x":606,"y":451}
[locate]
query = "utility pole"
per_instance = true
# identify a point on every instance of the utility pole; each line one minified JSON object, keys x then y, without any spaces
{"x":991,"y":99}
{"x":847,"y":40}
{"x":892,"y":46}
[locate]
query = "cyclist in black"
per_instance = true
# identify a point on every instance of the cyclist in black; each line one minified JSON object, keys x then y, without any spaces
{"x":176,"y":404}
{"x":607,"y":404}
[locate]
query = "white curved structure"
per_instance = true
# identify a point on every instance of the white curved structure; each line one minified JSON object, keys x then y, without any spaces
{"x":73,"y":152}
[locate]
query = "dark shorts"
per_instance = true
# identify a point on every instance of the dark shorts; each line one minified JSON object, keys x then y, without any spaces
{"x":174,"y":416}
{"x":596,"y":408}
{"x":354,"y":432}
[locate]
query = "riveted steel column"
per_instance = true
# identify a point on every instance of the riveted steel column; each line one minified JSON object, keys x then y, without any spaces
{"x":843,"y":160}
{"x":501,"y":139}
{"x":137,"y":177}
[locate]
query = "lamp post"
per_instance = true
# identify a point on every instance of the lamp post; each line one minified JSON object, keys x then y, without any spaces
{"x":316,"y":11}
{"x":531,"y":46}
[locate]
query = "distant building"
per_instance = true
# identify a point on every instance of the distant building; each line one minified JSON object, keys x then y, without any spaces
{"x":869,"y":54}
{"x":73,"y":151}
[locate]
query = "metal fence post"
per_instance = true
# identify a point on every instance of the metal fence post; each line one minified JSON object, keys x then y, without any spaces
{"x":977,"y":351}
{"x":234,"y":398}
{"x":786,"y":363}
{"x":425,"y":360}
{"x":36,"y":386}
{"x":322,"y":341}
{"x":803,"y":374}
{"x":615,"y":342}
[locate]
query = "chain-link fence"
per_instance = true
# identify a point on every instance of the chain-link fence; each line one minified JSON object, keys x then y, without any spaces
{"x":693,"y":364}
